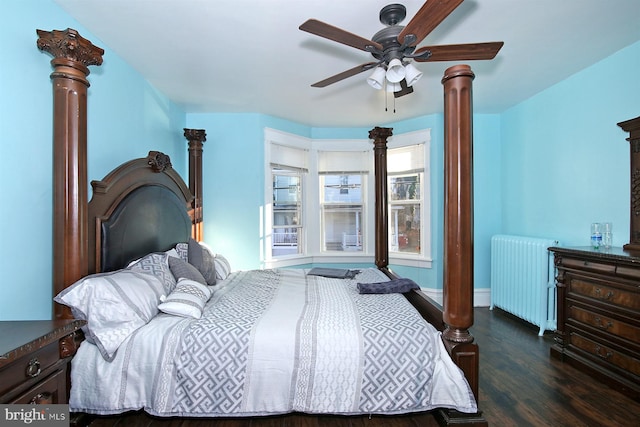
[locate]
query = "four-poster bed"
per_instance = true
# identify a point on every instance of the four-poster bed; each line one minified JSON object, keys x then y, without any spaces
{"x":85,"y":243}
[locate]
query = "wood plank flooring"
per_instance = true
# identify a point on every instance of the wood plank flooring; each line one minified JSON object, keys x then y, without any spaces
{"x":520,"y":385}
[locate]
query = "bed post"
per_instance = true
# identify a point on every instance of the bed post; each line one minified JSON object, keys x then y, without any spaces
{"x":196,"y":138}
{"x":379,"y":136}
{"x":458,"y":229}
{"x":72,"y":54}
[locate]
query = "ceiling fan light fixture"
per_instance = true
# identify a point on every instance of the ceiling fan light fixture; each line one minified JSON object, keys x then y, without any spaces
{"x":395,"y":71}
{"x":376,"y":79}
{"x":412,"y":74}
{"x":393,"y":87}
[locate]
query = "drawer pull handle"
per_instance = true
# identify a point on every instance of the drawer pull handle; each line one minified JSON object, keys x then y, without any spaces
{"x":600,"y":354}
{"x":607,"y":296}
{"x":33,"y":368}
{"x":42,"y":399}
{"x":601,"y":325}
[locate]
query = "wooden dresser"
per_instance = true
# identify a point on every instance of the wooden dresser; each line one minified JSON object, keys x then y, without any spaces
{"x":598,"y":301}
{"x":34,"y":360}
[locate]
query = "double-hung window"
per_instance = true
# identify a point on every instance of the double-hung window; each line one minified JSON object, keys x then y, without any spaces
{"x":288,"y":171}
{"x":406,"y":196}
{"x":342,"y":177}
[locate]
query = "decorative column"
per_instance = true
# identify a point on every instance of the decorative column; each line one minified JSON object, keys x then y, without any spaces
{"x":196,"y":138}
{"x":633,"y":127}
{"x":72,"y":55}
{"x":458,"y":219}
{"x":379,"y":136}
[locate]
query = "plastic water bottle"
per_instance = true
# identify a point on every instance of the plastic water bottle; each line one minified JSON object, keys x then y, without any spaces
{"x":596,"y":235}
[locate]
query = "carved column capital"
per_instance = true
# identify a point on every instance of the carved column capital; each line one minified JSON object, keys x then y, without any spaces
{"x":72,"y":53}
{"x":380,"y":135}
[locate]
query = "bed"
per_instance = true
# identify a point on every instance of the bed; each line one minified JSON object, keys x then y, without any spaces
{"x":246,"y":349}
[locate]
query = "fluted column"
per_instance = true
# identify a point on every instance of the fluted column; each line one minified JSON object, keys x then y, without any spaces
{"x":72,"y":54}
{"x":458,"y":219}
{"x":196,"y":138}
{"x":380,"y":136}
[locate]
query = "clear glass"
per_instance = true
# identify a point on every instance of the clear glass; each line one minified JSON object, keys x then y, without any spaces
{"x":287,"y":212}
{"x":405,"y":213}
{"x":607,"y":235}
{"x":342,"y":227}
{"x":342,"y":206}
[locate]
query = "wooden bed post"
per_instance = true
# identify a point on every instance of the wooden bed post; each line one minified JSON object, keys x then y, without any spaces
{"x":379,"y":136}
{"x":458,"y":221}
{"x":196,"y":138}
{"x":72,"y":54}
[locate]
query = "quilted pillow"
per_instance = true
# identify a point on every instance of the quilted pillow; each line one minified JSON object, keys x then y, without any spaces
{"x":187,"y":299}
{"x":114,"y":305}
{"x":182,"y":269}
{"x":389,"y":287}
{"x":156,"y":264}
{"x":202,"y":259}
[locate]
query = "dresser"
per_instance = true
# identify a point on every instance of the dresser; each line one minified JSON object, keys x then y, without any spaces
{"x":34,"y":360}
{"x":598,"y":303}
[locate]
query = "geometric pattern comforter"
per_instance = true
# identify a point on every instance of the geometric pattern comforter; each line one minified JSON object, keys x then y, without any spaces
{"x":277,"y":341}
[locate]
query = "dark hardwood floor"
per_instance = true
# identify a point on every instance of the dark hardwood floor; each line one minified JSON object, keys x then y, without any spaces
{"x":520,"y":385}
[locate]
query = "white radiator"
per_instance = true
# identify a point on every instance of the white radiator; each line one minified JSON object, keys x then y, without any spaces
{"x":523,"y":279}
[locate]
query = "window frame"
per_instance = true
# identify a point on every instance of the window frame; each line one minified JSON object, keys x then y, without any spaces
{"x":311,"y":209}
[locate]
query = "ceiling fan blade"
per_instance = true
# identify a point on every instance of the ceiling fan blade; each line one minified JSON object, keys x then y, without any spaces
{"x":430,"y":15}
{"x":339,"y":35}
{"x":459,"y":52}
{"x":343,"y":75}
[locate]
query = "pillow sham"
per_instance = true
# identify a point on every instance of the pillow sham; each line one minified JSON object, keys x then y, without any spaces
{"x":203,"y":260}
{"x":223,"y":268}
{"x":392,"y":286}
{"x":156,"y":264}
{"x":182,"y":269}
{"x":183,"y":251}
{"x":187,"y":299}
{"x":114,"y":305}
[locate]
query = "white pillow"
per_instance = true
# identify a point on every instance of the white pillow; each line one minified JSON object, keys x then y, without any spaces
{"x":114,"y":305}
{"x":187,"y":299}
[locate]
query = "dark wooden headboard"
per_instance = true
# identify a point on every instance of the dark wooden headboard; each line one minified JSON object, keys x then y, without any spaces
{"x":140,"y":207}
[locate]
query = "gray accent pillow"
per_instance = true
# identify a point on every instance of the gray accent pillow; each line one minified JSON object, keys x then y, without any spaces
{"x":202,"y":259}
{"x":389,"y":287}
{"x":183,"y":270}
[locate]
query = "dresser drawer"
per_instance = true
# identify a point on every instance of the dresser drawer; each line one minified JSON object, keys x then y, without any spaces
{"x":604,"y":293}
{"x":605,"y":354}
{"x":584,"y":265}
{"x":50,"y":391}
{"x":607,"y":324}
{"x":29,"y":368}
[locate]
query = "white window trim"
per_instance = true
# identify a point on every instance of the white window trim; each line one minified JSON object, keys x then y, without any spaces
{"x":312,"y":252}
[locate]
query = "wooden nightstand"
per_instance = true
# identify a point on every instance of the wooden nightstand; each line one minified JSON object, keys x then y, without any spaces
{"x":34,"y":360}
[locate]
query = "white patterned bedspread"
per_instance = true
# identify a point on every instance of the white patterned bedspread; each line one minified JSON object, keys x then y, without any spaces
{"x":277,"y":341}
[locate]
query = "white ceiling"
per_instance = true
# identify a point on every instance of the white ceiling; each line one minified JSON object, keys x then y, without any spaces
{"x":249,"y":55}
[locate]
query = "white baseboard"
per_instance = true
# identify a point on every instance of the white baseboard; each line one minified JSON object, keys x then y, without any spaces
{"x":481,"y":297}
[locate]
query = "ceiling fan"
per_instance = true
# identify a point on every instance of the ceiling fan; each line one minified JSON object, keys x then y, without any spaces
{"x":394,"y":47}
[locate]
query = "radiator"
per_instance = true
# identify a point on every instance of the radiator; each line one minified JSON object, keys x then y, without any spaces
{"x":523,"y":279}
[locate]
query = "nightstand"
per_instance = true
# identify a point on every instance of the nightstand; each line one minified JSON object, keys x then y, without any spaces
{"x":34,"y":360}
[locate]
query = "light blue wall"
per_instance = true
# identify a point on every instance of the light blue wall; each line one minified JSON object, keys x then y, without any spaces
{"x":547,"y":167}
{"x":565,"y":162}
{"x":126,"y":119}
